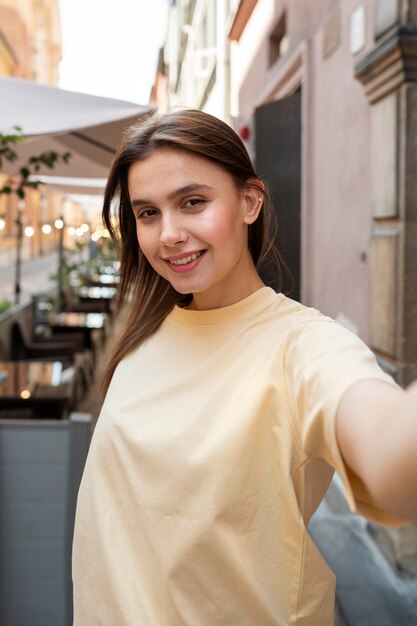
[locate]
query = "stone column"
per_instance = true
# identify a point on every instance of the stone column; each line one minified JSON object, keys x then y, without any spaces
{"x":389,"y":76}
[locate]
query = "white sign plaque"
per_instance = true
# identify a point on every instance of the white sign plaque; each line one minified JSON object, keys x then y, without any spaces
{"x":357,"y":30}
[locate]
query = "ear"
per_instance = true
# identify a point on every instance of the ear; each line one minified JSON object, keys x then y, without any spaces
{"x":253,"y":200}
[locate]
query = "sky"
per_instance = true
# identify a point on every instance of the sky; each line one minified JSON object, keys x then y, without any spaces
{"x":110,"y":47}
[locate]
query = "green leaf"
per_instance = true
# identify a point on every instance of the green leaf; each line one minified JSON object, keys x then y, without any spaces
{"x":49,"y":159}
{"x":8,"y":153}
{"x":5,"y":305}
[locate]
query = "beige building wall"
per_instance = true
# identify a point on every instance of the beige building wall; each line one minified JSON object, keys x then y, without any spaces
{"x":30,"y":48}
{"x":46,"y":29}
{"x":30,"y":40}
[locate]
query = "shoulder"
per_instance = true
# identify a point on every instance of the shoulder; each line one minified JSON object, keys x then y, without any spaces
{"x":316,"y":344}
{"x":287,"y":323}
{"x":298,"y":319}
{"x":303,"y":321}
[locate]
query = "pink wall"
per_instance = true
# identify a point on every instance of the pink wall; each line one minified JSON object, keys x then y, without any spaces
{"x":303,"y":18}
{"x":340,"y":170}
{"x":336,"y":181}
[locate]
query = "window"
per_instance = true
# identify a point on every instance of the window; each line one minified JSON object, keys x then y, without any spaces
{"x":278,"y":40}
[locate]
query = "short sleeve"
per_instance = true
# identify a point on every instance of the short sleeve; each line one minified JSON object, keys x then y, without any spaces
{"x":322,"y":360}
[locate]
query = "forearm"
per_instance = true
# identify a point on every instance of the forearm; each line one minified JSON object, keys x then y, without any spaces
{"x":396,"y":485}
{"x":377,"y":433}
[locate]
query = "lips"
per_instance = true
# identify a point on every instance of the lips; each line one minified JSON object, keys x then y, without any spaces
{"x":185,"y":259}
{"x":185,"y":262}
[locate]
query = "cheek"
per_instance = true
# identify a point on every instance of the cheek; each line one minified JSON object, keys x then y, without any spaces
{"x":143,"y":235}
{"x":227,"y":231}
{"x":144,"y":242}
{"x":222,"y":224}
{"x":138,"y":233}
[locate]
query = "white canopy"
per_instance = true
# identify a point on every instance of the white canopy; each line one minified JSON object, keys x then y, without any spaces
{"x":89,"y":127}
{"x":68,"y":185}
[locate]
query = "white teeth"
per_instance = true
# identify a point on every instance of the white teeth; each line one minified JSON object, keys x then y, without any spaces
{"x":186,"y":259}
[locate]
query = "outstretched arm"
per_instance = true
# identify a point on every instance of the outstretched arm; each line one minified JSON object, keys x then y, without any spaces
{"x":377,"y":435}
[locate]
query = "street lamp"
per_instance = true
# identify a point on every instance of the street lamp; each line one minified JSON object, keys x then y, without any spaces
{"x":43,"y":203}
{"x":59,"y":225}
{"x":19,"y":237}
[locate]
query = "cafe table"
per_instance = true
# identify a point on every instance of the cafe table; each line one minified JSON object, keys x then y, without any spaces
{"x":86,"y":323}
{"x":96,"y":293}
{"x":101,"y":280}
{"x":108,"y":279}
{"x":104,"y":295}
{"x":46,"y":389}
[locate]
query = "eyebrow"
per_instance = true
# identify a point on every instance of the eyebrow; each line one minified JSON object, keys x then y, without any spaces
{"x":192,"y":188}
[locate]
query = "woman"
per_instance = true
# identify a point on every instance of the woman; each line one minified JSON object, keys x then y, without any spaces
{"x":228,"y":407}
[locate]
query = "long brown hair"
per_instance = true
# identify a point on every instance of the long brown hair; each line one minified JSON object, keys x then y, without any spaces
{"x":151,"y":296}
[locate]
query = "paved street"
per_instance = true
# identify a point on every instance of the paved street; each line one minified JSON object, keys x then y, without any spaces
{"x":368,"y":591}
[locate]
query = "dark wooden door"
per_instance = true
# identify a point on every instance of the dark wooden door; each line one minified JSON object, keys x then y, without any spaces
{"x":278,"y":162}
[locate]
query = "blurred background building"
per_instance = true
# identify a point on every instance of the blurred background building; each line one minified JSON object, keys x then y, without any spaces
{"x":30,"y":40}
{"x":31,"y":49}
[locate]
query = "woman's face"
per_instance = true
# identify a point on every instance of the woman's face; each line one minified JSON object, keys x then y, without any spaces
{"x":191,"y":224}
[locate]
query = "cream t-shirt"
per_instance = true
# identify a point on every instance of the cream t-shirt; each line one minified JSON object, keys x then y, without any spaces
{"x":215,"y":444}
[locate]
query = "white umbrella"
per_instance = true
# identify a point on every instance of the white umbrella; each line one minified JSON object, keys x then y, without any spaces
{"x":68,"y":185}
{"x":89,"y":127}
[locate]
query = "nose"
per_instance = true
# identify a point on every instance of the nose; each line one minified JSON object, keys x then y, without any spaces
{"x":171,"y":231}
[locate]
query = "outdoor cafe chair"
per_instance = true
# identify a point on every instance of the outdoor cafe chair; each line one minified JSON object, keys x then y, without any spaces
{"x":24,"y":347}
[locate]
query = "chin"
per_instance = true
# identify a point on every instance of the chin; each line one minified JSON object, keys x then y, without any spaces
{"x":182,"y":290}
{"x":185,"y":289}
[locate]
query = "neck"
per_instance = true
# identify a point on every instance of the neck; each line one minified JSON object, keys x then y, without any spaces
{"x":221,"y":297}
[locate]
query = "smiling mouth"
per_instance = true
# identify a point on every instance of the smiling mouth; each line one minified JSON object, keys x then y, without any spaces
{"x":186,"y":259}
